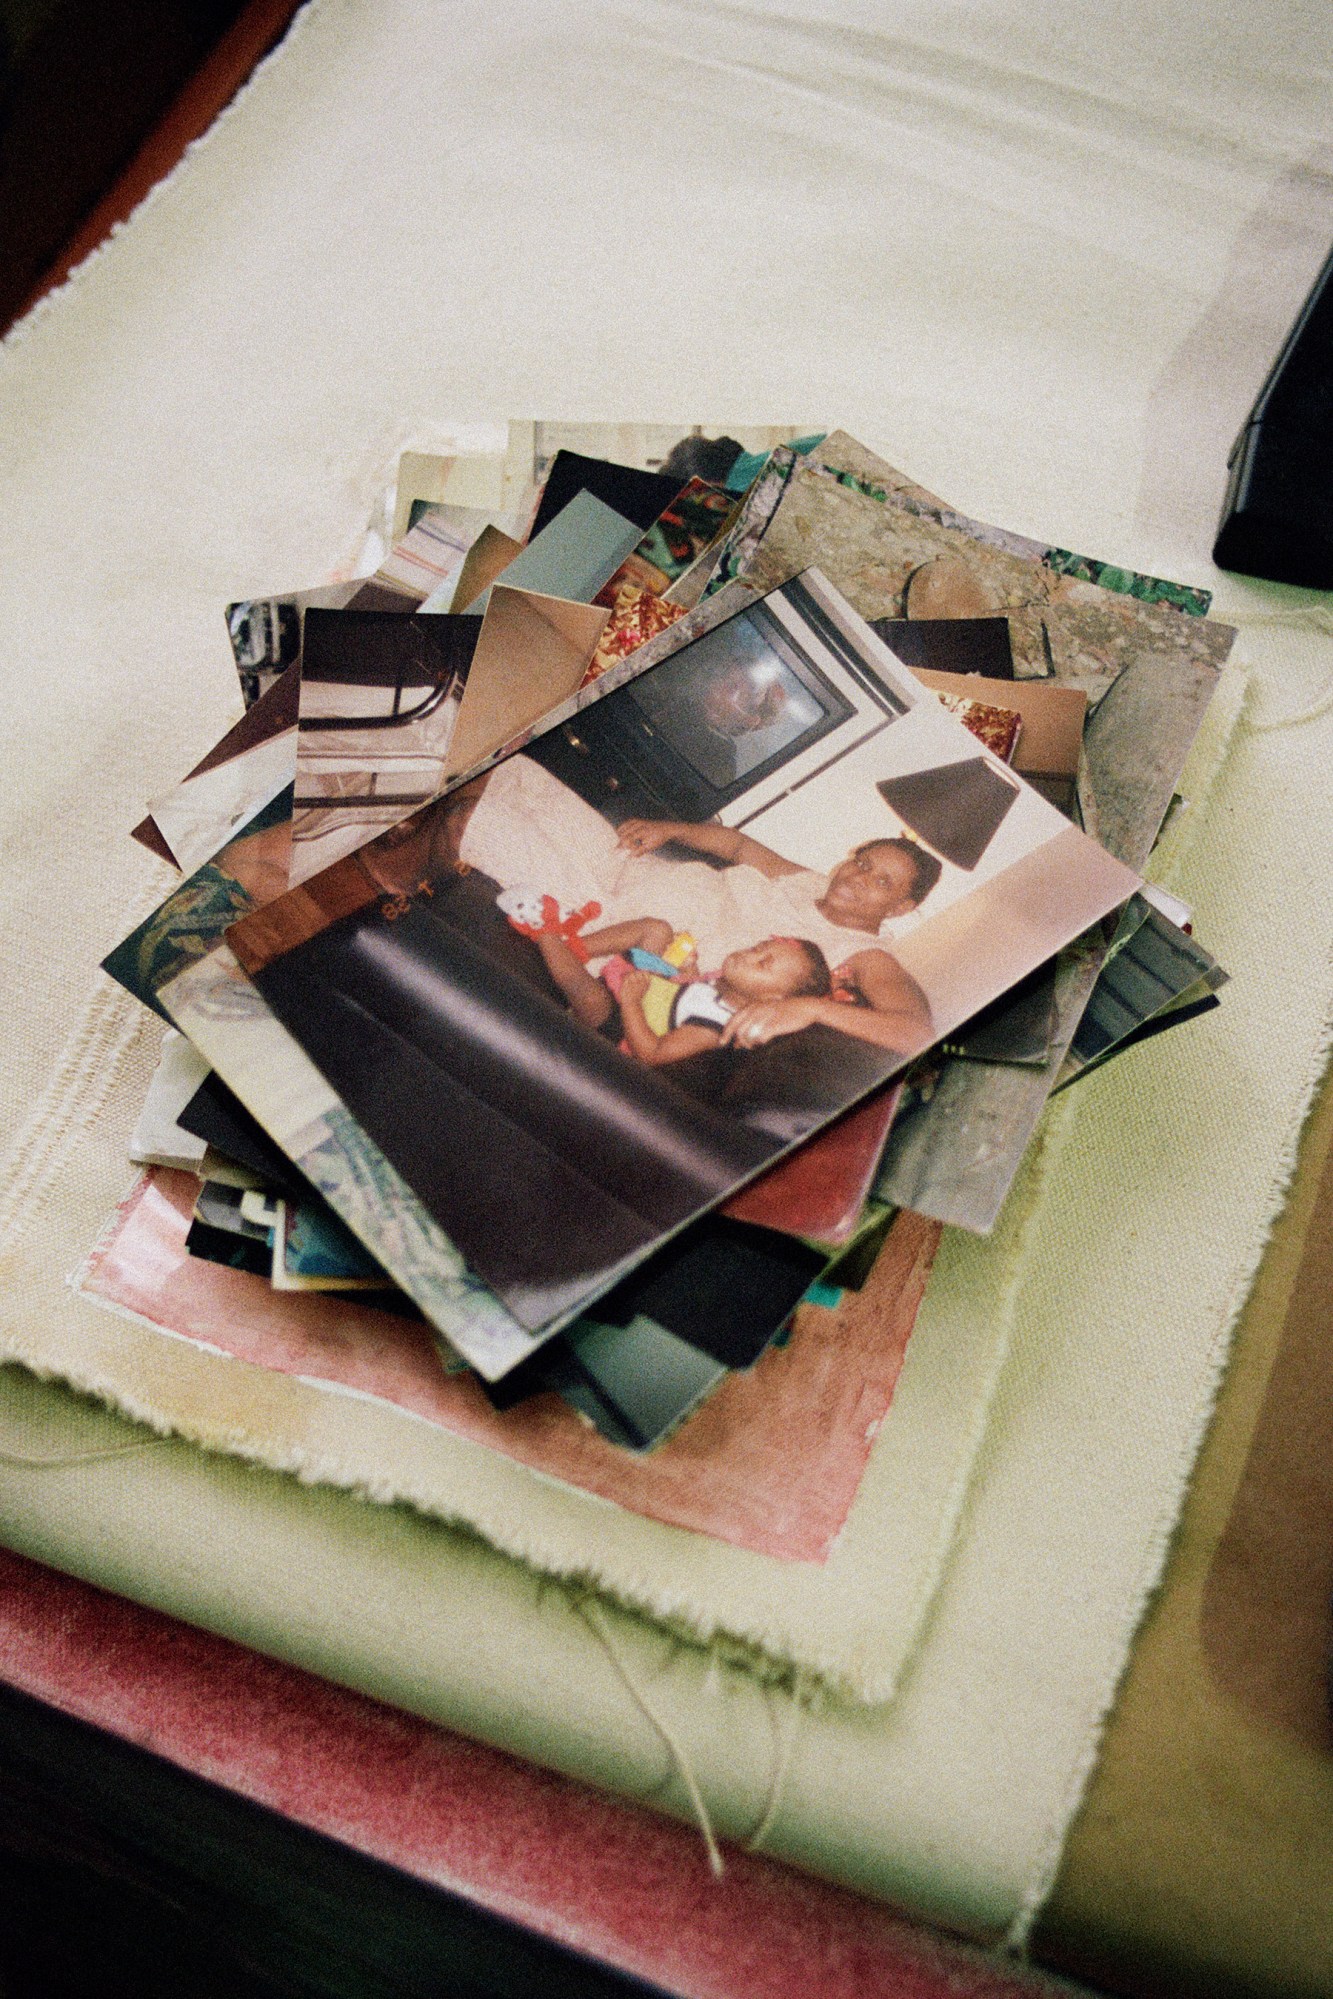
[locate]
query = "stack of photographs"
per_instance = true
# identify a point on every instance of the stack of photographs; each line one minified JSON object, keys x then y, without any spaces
{"x":683,"y":864}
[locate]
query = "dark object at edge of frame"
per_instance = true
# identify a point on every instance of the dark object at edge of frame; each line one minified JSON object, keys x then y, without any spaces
{"x":1277,"y":517}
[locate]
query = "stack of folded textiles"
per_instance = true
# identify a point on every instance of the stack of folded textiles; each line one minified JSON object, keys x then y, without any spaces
{"x":613,"y":920}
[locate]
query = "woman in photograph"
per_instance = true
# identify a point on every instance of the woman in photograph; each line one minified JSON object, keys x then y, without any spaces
{"x":525,"y":828}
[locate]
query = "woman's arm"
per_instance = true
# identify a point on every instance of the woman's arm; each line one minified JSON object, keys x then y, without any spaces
{"x":895,"y":1016}
{"x":637,"y":933}
{"x":891,"y":993}
{"x":725,"y":843}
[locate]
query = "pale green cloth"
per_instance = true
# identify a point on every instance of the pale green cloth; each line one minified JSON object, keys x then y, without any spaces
{"x":1015,"y":252}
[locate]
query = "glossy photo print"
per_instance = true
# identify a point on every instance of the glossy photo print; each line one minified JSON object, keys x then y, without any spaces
{"x":581,"y":1000}
{"x":380,"y":695}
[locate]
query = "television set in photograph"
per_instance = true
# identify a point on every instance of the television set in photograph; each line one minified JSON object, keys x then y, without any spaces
{"x":738,"y":702}
{"x":730,"y":723}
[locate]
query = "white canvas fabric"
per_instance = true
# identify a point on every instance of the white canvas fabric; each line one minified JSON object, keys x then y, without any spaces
{"x":1042,"y":266}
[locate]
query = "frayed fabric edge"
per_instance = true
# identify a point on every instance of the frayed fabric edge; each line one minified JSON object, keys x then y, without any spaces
{"x":74,"y":279}
{"x":1207,"y":759}
{"x":85,"y":1077}
{"x":765,"y":1656}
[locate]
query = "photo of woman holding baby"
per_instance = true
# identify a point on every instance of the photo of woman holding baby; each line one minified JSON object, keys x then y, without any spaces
{"x":880,"y":880}
{"x":827,"y":962}
{"x":574,"y":1006}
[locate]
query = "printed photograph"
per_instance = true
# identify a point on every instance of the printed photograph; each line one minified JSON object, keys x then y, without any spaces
{"x":203,"y":813}
{"x":271,"y":718}
{"x":725,"y":454}
{"x":698,"y":516}
{"x":380,"y":695}
{"x":265,"y":633}
{"x":427,"y":559}
{"x":395,"y":699}
{"x":607,"y":983}
{"x":253,"y":868}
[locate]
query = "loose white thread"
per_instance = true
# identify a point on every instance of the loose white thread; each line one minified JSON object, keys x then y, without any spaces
{"x":21,"y":1461}
{"x":585,"y":1607}
{"x":797,"y":1707}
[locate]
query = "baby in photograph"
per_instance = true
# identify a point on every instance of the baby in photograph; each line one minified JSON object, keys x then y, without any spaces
{"x":668,"y":1010}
